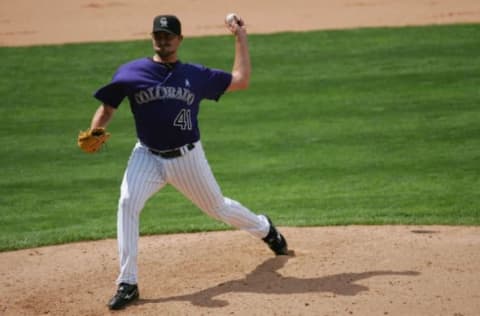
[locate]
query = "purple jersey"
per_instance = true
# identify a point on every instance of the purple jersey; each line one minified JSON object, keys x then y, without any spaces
{"x":164,"y":100}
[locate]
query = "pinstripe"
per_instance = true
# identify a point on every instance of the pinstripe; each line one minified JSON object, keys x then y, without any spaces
{"x":184,"y":180}
{"x":209,"y":193}
{"x":141,"y":180}
{"x":208,"y":183}
{"x":192,"y":176}
{"x":205,"y":195}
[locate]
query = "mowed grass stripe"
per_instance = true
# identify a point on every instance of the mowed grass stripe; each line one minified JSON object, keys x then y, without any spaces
{"x":367,"y":126}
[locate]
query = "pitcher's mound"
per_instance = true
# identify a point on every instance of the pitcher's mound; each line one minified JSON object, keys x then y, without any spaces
{"x":355,"y":270}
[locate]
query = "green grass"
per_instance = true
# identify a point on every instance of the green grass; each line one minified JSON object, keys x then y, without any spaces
{"x":367,"y":126}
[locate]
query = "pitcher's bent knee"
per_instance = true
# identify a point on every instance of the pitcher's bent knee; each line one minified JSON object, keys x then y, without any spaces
{"x":128,"y":206}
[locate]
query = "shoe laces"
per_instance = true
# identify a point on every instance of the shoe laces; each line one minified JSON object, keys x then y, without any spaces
{"x":123,"y":290}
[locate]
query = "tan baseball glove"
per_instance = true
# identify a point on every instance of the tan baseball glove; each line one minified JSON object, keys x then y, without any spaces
{"x":91,"y":140}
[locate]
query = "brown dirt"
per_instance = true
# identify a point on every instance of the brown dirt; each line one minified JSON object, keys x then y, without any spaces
{"x":22,"y":23}
{"x":356,"y":270}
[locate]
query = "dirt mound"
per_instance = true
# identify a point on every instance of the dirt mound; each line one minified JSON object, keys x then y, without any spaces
{"x":372,"y":270}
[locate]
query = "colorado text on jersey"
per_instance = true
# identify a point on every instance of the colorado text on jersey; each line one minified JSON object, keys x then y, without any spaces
{"x":161,"y":92}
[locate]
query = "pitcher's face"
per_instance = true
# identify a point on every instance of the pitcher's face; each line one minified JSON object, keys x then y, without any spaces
{"x":166,"y":44}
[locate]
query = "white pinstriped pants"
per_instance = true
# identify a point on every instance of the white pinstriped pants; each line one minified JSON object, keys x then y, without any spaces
{"x":190,"y":174}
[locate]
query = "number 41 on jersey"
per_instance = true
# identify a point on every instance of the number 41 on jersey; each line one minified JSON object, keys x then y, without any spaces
{"x":184,"y":120}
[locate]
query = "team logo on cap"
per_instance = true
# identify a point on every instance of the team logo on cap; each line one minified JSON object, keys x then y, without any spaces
{"x":163,"y":22}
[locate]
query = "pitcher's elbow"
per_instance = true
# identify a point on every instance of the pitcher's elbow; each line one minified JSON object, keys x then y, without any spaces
{"x":244,"y":84}
{"x":239,"y":82}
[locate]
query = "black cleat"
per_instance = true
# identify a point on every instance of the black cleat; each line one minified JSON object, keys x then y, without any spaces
{"x":126,"y":294}
{"x":275,"y":240}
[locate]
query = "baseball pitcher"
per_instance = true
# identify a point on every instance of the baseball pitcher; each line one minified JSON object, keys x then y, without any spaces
{"x":164,"y":95}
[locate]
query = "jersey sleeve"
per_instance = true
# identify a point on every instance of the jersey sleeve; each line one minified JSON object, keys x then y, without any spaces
{"x":217,"y":82}
{"x":112,"y":93}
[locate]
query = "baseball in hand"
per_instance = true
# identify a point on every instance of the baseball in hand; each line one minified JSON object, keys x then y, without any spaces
{"x":233,"y":18}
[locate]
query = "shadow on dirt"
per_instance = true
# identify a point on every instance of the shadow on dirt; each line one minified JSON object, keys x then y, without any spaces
{"x":266,"y":280}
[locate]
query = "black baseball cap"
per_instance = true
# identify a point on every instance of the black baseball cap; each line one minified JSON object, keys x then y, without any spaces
{"x":167,"y":23}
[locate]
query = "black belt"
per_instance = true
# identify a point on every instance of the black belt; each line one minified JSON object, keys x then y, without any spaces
{"x":174,"y":153}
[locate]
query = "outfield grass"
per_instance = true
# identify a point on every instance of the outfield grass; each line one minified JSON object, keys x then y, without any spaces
{"x":367,"y":126}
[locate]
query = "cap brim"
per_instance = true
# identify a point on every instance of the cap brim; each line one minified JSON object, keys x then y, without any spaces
{"x":160,"y":29}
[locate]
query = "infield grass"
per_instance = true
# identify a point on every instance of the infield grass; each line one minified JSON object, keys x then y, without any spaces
{"x":366,"y":126}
